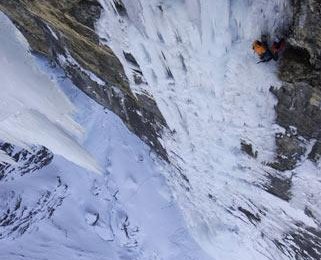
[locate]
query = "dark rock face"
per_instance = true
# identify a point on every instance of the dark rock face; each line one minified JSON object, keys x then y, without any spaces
{"x":299,"y":108}
{"x":248,"y":148}
{"x":301,"y":243}
{"x":62,"y":30}
{"x":306,"y":29}
{"x":290,"y":148}
{"x":250,"y":216}
{"x":299,"y":99}
{"x":87,"y":12}
{"x":279,"y":186}
{"x":315,"y":154}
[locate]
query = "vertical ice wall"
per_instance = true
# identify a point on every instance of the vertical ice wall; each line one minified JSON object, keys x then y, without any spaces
{"x":32,"y":108}
{"x":196,"y":60}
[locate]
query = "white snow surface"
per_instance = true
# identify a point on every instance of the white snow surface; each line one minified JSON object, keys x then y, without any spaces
{"x":198,"y":64}
{"x":33,"y":111}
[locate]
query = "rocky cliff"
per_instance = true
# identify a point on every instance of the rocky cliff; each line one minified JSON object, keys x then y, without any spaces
{"x":299,"y":99}
{"x":64,"y":32}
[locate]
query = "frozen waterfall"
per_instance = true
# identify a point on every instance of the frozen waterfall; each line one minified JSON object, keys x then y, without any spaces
{"x":196,"y":60}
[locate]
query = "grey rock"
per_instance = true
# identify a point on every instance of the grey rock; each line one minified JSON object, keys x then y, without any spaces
{"x":279,"y":186}
{"x":26,"y":161}
{"x":290,"y":148}
{"x":299,"y":99}
{"x":248,"y":149}
{"x":87,"y":12}
{"x":299,"y":105}
{"x":302,"y":242}
{"x":306,"y":30}
{"x":315,"y":154}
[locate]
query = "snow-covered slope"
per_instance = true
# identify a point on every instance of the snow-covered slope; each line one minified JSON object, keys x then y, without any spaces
{"x":66,"y":212}
{"x":32,"y":109}
{"x":196,"y":60}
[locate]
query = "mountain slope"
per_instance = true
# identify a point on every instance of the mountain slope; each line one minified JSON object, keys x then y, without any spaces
{"x":237,"y":183}
{"x":64,"y":211}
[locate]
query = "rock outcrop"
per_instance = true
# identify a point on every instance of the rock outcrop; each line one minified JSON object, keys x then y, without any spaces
{"x":299,"y":99}
{"x":26,"y":161}
{"x":299,"y":112}
{"x":63,"y":31}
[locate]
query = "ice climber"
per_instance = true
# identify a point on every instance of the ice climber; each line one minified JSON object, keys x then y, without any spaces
{"x":262,"y":50}
{"x":264,"y":53}
{"x":277,"y":48}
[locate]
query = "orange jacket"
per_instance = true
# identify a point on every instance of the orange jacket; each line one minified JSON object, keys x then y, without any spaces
{"x":259,"y":48}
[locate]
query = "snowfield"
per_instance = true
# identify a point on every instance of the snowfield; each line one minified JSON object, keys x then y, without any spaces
{"x":212,"y":201}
